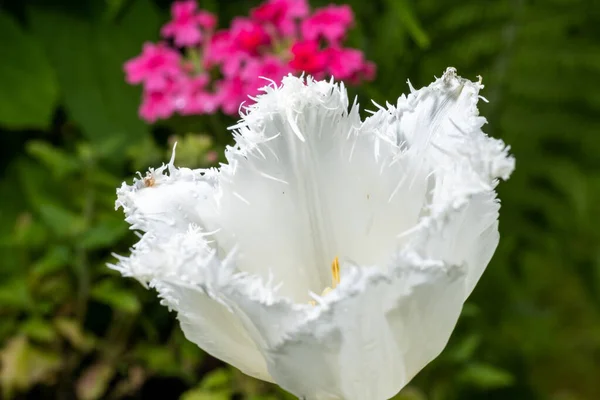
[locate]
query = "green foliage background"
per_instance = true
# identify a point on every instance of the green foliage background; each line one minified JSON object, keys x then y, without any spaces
{"x":69,"y":135}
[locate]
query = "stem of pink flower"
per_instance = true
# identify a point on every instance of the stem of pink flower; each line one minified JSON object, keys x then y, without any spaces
{"x":194,"y":56}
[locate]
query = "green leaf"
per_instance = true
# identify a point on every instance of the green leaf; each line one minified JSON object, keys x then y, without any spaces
{"x":38,"y":329}
{"x":109,"y":293}
{"x":486,"y":376}
{"x":88,"y":53}
{"x":54,"y":260}
{"x":104,"y":233}
{"x":218,"y":379}
{"x":407,"y":18}
{"x":158,"y":359}
{"x":61,"y":220}
{"x":15,"y":294}
{"x":217,"y":385}
{"x":12,"y":203}
{"x":27,"y":81}
{"x":56,"y":159}
{"x":47,"y":198}
{"x":465,"y":349}
{"x":202,"y":394}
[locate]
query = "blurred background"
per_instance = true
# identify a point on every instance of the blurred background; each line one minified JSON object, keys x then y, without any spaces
{"x":70,"y":328}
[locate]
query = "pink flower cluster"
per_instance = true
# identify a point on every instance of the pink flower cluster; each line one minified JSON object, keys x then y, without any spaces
{"x":200,"y":70}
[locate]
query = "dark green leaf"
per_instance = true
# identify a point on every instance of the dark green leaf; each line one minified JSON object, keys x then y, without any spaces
{"x":104,"y":233}
{"x":88,"y":54}
{"x":28,"y":84}
{"x":56,"y":159}
{"x":465,"y":349}
{"x":56,"y":258}
{"x":406,"y":17}
{"x":109,"y":293}
{"x":61,"y":220}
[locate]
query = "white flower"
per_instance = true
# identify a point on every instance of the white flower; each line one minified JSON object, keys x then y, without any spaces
{"x":404,"y":200}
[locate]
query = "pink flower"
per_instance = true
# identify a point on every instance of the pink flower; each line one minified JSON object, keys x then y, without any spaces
{"x":308,"y":58}
{"x":222,"y":51}
{"x":156,"y":105}
{"x":206,"y":20}
{"x":330,"y":22}
{"x":257,"y":72}
{"x":231,"y":93}
{"x":248,"y":35}
{"x":153,"y":67}
{"x":344,"y":63}
{"x":186,"y":23}
{"x":281,"y":14}
{"x":219,"y":48}
{"x":159,"y":104}
{"x":279,"y":38}
{"x":234,"y":64}
{"x":195,"y":98}
{"x":273,"y":68}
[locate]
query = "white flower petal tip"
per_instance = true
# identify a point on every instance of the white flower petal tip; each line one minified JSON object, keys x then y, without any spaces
{"x":329,"y":255}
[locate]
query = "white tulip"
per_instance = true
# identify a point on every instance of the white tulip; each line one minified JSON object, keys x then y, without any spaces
{"x":329,"y":255}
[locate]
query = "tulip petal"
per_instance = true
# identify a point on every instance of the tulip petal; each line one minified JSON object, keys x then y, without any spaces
{"x":166,"y":204}
{"x":368,"y":338}
{"x":214,"y":328}
{"x":308,"y":182}
{"x":188,"y":277}
{"x":443,"y":125}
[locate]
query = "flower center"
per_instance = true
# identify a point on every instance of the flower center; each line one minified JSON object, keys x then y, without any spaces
{"x":335,"y":279}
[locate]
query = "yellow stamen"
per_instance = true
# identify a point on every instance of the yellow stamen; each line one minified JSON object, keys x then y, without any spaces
{"x":335,"y":279}
{"x":335,"y":272}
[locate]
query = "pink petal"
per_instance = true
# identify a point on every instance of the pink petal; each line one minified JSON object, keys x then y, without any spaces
{"x":344,"y":63}
{"x":183,"y":9}
{"x":206,"y":20}
{"x":156,"y":105}
{"x":248,"y":35}
{"x":156,"y":63}
{"x":308,"y":58}
{"x":282,"y":14}
{"x":329,"y":22}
